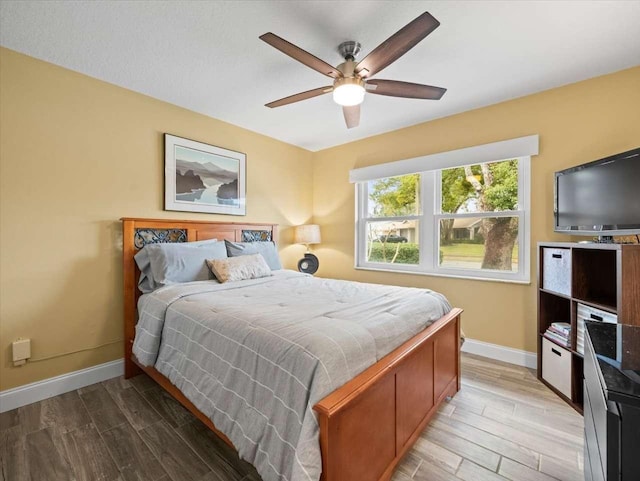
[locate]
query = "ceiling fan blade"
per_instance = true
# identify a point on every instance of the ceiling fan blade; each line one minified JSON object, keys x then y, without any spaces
{"x":395,"y":88}
{"x":300,"y":55}
{"x":309,"y":94}
{"x":397,"y":45}
{"x":351,"y":116}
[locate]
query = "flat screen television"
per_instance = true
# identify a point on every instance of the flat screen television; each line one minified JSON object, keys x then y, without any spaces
{"x":599,"y":198}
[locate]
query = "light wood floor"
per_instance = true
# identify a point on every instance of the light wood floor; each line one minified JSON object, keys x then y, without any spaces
{"x":503,"y":424}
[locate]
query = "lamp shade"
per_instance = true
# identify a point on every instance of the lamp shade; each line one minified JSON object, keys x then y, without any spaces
{"x":307,"y":234}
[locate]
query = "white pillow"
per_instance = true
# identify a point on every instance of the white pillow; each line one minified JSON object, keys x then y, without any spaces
{"x":252,"y":266}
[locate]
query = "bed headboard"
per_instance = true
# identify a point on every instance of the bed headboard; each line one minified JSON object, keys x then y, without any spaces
{"x":136,"y":233}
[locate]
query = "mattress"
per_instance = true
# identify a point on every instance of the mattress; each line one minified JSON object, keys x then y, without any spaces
{"x":255,"y":356}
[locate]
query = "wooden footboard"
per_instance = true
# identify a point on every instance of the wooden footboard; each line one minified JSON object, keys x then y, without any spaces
{"x":367,"y":425}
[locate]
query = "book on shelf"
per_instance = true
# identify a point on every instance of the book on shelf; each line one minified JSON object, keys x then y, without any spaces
{"x":557,"y":339}
{"x":564,"y":334}
{"x":561,"y":327}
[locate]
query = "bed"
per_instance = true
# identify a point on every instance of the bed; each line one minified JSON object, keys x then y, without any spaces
{"x":366,"y":417}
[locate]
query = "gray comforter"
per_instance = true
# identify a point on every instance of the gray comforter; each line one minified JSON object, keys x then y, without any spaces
{"x":255,"y":356}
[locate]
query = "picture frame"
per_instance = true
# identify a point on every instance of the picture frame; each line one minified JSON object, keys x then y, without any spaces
{"x":199,"y":177}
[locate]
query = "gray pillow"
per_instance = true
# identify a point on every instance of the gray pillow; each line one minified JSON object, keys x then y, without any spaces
{"x":164,"y":264}
{"x":267,"y":249}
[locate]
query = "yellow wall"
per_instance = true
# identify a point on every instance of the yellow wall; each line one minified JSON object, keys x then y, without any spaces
{"x":577,"y":123}
{"x":76,"y":155}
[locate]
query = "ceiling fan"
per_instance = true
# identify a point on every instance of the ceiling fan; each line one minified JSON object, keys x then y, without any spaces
{"x":352,"y":79}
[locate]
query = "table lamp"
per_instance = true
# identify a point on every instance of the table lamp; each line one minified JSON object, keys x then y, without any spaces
{"x":307,"y":234}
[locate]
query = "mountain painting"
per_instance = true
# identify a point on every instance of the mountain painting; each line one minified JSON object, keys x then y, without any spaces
{"x":204,"y":179}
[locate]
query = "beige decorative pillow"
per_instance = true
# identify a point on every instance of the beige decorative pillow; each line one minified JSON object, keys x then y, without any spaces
{"x":239,"y":268}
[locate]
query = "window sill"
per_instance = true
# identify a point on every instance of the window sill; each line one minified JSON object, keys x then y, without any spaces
{"x":451,"y":276}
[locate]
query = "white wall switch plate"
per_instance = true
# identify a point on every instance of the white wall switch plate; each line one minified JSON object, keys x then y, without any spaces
{"x":21,"y":351}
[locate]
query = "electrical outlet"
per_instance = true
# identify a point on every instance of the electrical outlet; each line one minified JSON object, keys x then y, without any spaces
{"x":21,"y":351}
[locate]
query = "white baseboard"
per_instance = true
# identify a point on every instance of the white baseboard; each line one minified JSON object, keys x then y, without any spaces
{"x":37,"y":391}
{"x":501,"y":353}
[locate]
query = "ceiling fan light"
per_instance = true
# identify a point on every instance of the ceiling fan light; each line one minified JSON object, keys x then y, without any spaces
{"x":348,"y":92}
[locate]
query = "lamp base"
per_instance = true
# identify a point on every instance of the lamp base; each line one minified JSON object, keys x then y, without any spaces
{"x":308,"y":264}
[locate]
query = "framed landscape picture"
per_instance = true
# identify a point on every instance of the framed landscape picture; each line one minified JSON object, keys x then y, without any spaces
{"x":203,"y":178}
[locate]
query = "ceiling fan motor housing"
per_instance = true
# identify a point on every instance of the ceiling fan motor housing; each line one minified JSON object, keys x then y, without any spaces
{"x":347,"y":68}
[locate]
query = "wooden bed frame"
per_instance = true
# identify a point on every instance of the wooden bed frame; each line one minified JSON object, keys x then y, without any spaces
{"x":367,"y":425}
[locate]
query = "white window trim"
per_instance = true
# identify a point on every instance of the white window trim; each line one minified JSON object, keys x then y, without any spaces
{"x":429,"y":224}
{"x":493,"y":152}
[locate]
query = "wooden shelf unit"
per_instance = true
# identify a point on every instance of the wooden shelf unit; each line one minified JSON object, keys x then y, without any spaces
{"x":602,"y":276}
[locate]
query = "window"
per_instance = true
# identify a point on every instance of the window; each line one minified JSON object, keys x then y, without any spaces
{"x":462,"y":220}
{"x":391,"y":225}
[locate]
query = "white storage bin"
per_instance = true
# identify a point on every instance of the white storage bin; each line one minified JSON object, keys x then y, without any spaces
{"x":556,"y":366}
{"x":556,"y":270}
{"x":588,"y":313}
{"x":580,"y":336}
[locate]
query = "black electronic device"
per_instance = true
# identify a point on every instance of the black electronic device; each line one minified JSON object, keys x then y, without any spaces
{"x":600,"y":198}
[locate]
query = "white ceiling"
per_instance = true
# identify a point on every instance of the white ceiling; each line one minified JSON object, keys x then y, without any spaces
{"x":206,"y":56}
